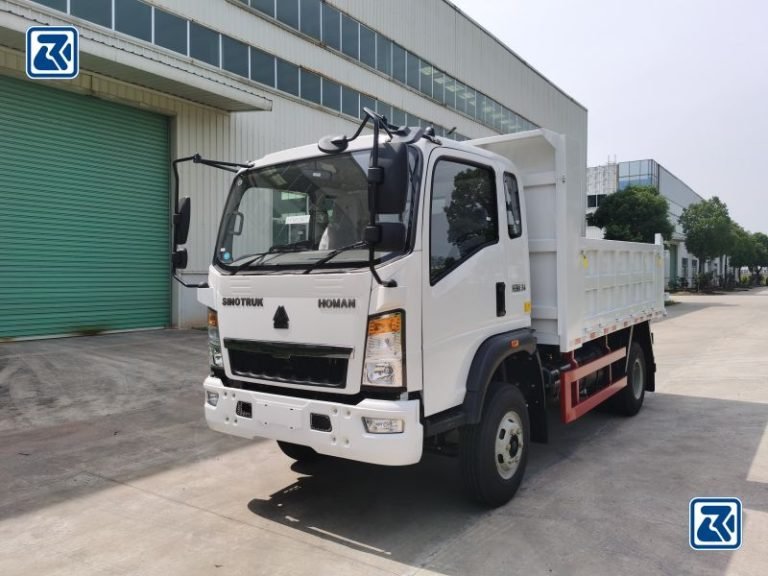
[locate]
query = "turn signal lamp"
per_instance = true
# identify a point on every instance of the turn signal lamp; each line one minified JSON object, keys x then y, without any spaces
{"x":214,"y":340}
{"x":383,"y":366}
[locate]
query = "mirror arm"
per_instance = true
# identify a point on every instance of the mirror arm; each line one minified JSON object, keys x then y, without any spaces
{"x":197,"y":159}
{"x":189,"y":285}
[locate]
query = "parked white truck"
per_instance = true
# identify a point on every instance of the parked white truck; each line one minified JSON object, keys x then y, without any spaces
{"x":372,"y":302}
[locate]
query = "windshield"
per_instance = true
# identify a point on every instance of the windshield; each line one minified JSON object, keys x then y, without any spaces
{"x":298,"y":213}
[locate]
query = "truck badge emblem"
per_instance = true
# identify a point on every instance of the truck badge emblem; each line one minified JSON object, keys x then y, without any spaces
{"x":281,"y":319}
{"x":255,"y":302}
{"x":336,"y":303}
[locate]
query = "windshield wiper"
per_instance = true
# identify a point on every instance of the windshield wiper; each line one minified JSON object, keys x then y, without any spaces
{"x":334,"y":253}
{"x":254,"y":260}
{"x":273,"y":250}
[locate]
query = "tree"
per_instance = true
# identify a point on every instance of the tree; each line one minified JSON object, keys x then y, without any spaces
{"x":708,"y":229}
{"x":635,"y":214}
{"x":761,"y":247}
{"x":744,"y":248}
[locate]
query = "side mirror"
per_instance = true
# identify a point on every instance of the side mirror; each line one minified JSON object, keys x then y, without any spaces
{"x":392,"y":191}
{"x":391,"y":237}
{"x":181,"y":222}
{"x":179,"y":259}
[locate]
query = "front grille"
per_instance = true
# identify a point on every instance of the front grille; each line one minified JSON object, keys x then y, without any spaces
{"x":303,"y":364}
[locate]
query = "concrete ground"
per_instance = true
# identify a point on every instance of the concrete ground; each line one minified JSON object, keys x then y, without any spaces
{"x":107,"y":467}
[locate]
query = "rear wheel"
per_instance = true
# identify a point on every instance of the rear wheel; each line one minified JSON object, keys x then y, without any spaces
{"x":493,"y":453}
{"x":629,"y":401}
{"x":298,"y":452}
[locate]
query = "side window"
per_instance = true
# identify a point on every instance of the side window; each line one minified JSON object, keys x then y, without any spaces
{"x":463,"y":215}
{"x":514,"y":219}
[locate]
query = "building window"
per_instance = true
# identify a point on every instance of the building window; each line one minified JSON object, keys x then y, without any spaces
{"x":591,"y":201}
{"x":311,"y":87}
{"x":234,"y":56}
{"x":288,"y":12}
{"x":266,"y":6}
{"x":350,"y":40}
{"x":425,"y":69}
{"x":203,"y":44}
{"x":438,"y":86}
{"x":170,"y":31}
{"x":481,"y":107}
{"x":469,"y":96}
{"x":412,"y":70}
{"x":60,"y":5}
{"x":367,"y":46}
{"x":331,"y":95}
{"x":464,"y":217}
{"x":310,"y":17}
{"x":383,"y":54}
{"x":331,"y":27}
{"x":287,"y":77}
{"x":262,"y":67}
{"x":398,"y":63}
{"x":96,"y":11}
{"x":134,"y":18}
{"x":366,"y":102}
{"x":449,"y":92}
{"x":398,"y":117}
{"x":385,"y":110}
{"x":350,"y":102}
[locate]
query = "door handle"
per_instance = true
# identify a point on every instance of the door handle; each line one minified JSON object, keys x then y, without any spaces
{"x":501,"y":299}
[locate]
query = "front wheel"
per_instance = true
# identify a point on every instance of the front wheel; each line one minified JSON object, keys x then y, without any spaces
{"x":493,"y":453}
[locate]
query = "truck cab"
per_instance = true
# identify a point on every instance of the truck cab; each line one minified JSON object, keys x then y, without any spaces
{"x":336,"y":344}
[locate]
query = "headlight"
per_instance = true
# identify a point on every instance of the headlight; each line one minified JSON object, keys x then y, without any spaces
{"x":214,"y":340}
{"x":383,"y":364}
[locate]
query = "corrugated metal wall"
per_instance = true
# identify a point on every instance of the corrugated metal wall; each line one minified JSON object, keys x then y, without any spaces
{"x":84,"y":218}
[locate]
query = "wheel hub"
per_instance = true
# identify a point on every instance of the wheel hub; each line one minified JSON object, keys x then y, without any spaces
{"x":509,"y":445}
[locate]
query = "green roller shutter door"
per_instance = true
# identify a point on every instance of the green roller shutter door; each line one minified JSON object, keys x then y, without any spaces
{"x":83,"y":214}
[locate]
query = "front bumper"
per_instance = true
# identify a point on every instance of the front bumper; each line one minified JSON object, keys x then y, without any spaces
{"x":288,"y":419}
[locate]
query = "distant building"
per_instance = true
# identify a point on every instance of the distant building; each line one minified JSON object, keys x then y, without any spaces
{"x":609,"y":178}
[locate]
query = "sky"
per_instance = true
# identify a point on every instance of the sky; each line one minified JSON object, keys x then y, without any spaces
{"x":684,"y":82}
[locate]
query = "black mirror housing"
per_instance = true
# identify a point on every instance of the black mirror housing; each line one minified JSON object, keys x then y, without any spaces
{"x":181,"y":222}
{"x":392,"y":190}
{"x":392,"y":237}
{"x":179,"y":259}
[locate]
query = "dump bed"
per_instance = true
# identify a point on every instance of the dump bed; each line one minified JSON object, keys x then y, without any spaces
{"x":581,"y":288}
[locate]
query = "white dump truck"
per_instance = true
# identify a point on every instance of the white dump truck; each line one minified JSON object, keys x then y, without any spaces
{"x":379,"y":296}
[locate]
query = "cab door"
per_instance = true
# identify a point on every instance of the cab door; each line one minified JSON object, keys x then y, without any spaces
{"x":467,"y":292}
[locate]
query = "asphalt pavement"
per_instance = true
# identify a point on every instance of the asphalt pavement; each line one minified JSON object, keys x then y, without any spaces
{"x":107,"y":467}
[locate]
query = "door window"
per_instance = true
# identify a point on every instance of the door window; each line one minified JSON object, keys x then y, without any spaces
{"x":514,"y":219}
{"x":464,"y":216}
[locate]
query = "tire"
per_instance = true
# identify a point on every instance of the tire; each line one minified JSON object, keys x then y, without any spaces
{"x":493,"y":453}
{"x":629,"y":401}
{"x":298,"y":452}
